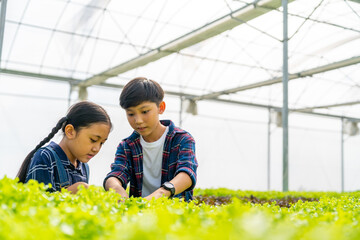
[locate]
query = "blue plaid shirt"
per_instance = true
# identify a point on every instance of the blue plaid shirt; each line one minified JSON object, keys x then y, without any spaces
{"x":43,"y":168}
{"x":178,"y":156}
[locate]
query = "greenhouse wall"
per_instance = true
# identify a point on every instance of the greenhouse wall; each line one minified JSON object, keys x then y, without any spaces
{"x":231,"y":140}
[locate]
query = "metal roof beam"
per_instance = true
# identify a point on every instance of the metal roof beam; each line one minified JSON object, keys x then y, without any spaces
{"x":306,"y":73}
{"x":220,"y":25}
{"x":178,"y":94}
{"x":279,"y":109}
{"x":75,"y":82}
{"x":2,"y":25}
{"x":40,"y":76}
{"x":329,"y":106}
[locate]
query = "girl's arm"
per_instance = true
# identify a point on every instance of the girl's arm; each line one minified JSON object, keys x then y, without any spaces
{"x":74,"y":188}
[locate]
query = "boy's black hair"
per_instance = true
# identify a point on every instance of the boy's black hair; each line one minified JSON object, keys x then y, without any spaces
{"x":140,"y":90}
{"x":80,"y":115}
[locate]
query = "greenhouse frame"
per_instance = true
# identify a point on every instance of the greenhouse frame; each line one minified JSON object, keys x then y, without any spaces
{"x":269,"y":89}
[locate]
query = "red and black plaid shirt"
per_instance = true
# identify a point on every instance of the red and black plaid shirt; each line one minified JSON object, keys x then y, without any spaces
{"x":178,"y":156}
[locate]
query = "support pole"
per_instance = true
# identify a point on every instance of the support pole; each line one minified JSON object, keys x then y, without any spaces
{"x":268,"y":150}
{"x":181,"y":110}
{"x":83,"y":93}
{"x":342,"y":154}
{"x":2,"y":25}
{"x":285,"y":99}
{"x":70,"y":92}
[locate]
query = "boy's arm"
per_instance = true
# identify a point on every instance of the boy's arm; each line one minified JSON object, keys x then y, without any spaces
{"x":119,"y":176}
{"x":181,"y":182}
{"x":185,"y":175}
{"x":115,"y":184}
{"x":186,"y":162}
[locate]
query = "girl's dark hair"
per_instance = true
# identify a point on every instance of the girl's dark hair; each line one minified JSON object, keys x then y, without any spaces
{"x":141,"y":90}
{"x":80,"y":115}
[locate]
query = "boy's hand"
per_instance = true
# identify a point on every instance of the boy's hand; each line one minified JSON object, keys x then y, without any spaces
{"x":181,"y":182}
{"x":115,"y":184}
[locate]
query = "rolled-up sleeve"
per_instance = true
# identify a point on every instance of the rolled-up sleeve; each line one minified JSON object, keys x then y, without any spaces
{"x":187,"y":160}
{"x":120,"y":167}
{"x":41,"y":169}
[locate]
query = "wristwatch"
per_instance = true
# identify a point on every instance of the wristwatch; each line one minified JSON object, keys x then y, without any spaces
{"x":170,"y":187}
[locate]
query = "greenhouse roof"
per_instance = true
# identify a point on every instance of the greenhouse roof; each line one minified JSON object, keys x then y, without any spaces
{"x":224,"y":50}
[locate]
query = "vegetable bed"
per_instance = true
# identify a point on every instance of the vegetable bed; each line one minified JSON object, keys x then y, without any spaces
{"x":28,"y":211}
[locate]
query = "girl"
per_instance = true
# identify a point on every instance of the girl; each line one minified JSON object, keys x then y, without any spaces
{"x":86,"y":127}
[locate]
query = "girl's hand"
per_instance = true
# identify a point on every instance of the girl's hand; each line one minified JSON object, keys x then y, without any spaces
{"x":74,"y":188}
{"x":161,"y":192}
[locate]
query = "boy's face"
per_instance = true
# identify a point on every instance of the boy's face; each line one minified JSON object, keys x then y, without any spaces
{"x":144,"y":119}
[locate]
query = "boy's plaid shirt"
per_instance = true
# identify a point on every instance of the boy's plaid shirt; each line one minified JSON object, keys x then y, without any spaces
{"x":178,"y":156}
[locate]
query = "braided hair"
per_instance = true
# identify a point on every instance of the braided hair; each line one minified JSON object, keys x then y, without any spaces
{"x":80,"y":115}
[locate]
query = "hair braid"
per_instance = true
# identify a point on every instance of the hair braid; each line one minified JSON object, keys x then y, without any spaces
{"x":25,"y":165}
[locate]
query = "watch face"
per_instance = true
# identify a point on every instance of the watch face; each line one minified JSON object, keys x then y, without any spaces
{"x":168,"y":185}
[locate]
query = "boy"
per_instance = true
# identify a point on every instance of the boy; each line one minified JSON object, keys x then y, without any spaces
{"x":158,"y":159}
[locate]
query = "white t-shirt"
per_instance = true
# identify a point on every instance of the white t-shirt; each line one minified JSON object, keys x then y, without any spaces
{"x":152,"y":163}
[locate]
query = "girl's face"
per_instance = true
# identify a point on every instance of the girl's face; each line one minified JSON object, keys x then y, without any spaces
{"x":85,"y":143}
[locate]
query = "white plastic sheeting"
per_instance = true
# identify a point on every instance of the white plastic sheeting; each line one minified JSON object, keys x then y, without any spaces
{"x":231,"y":140}
{"x":75,"y":40}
